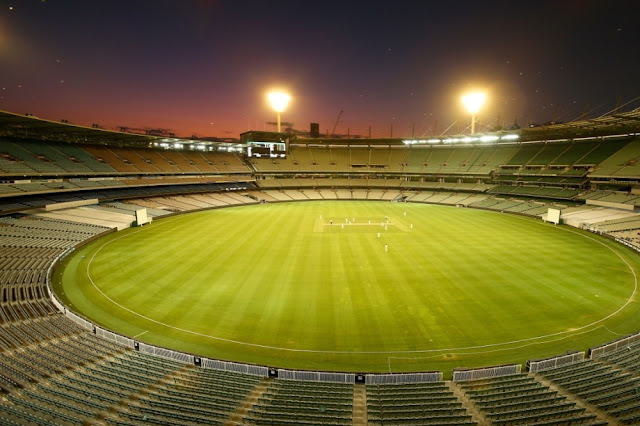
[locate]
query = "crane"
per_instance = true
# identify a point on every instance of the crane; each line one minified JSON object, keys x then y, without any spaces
{"x":333,"y":132}
{"x":283,"y":124}
{"x":147,"y":131}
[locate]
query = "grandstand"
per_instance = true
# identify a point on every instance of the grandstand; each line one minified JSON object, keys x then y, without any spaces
{"x":59,"y":368}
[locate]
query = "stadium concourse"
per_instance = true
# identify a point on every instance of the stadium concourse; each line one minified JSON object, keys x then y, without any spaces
{"x":64,"y":186}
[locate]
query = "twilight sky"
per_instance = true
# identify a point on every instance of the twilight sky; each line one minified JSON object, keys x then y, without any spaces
{"x":203,"y":67}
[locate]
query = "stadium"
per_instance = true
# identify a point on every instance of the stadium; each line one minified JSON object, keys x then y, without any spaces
{"x":479,"y":279}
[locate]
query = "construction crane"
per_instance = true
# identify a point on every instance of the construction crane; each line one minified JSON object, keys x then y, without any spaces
{"x":160,"y":132}
{"x":284,"y":124}
{"x":136,"y":130}
{"x":147,"y":131}
{"x":333,"y":132}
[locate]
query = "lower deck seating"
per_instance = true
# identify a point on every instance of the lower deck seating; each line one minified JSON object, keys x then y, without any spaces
{"x":609,"y":386}
{"x":303,"y":403}
{"x":521,"y":399}
{"x":423,"y":403}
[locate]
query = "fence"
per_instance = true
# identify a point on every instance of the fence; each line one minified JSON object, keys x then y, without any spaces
{"x":316,"y":376}
{"x":400,"y":378}
{"x":113,"y":337}
{"x":535,"y":366}
{"x":79,"y":320}
{"x":165,"y":353}
{"x":607,"y":348}
{"x":214,"y":364}
{"x":460,"y":375}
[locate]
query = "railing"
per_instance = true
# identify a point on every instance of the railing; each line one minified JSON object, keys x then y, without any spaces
{"x":236,"y":367}
{"x":113,"y":337}
{"x":316,"y":376}
{"x":400,"y":378}
{"x":165,"y":353}
{"x":607,"y":348}
{"x":534,"y":366}
{"x":629,"y":244}
{"x":463,"y":374}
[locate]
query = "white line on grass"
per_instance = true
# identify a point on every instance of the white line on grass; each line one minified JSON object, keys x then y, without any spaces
{"x":534,"y":340}
{"x":495,"y":350}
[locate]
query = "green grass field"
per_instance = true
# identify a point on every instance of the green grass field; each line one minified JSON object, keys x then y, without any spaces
{"x":296,"y":285}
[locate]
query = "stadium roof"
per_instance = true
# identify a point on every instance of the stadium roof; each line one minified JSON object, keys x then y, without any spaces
{"x":27,"y":126}
{"x":31,"y":127}
{"x":615,"y":123}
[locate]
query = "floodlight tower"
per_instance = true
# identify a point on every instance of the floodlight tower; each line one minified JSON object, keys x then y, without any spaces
{"x":279,"y":102}
{"x":473,"y":102}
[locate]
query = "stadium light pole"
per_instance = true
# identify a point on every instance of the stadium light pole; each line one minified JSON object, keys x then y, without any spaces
{"x":279,"y":102}
{"x":473,"y":102}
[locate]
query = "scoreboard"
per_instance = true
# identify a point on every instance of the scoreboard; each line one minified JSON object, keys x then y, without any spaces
{"x":267,"y":149}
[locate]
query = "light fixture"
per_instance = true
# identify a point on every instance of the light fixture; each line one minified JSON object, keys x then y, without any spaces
{"x":473,"y":102}
{"x":279,"y":102}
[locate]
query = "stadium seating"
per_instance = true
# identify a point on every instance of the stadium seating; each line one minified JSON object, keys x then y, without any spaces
{"x":303,"y":403}
{"x":609,"y":387}
{"x":521,"y":399}
{"x":549,"y":170}
{"x":429,"y":403}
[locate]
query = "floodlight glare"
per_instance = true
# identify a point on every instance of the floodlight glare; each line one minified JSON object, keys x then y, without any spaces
{"x":279,"y":102}
{"x":473,"y":102}
{"x":510,"y":137}
{"x":489,"y":138}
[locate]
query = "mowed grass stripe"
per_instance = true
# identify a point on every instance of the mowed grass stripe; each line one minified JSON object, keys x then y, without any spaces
{"x":273,"y":275}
